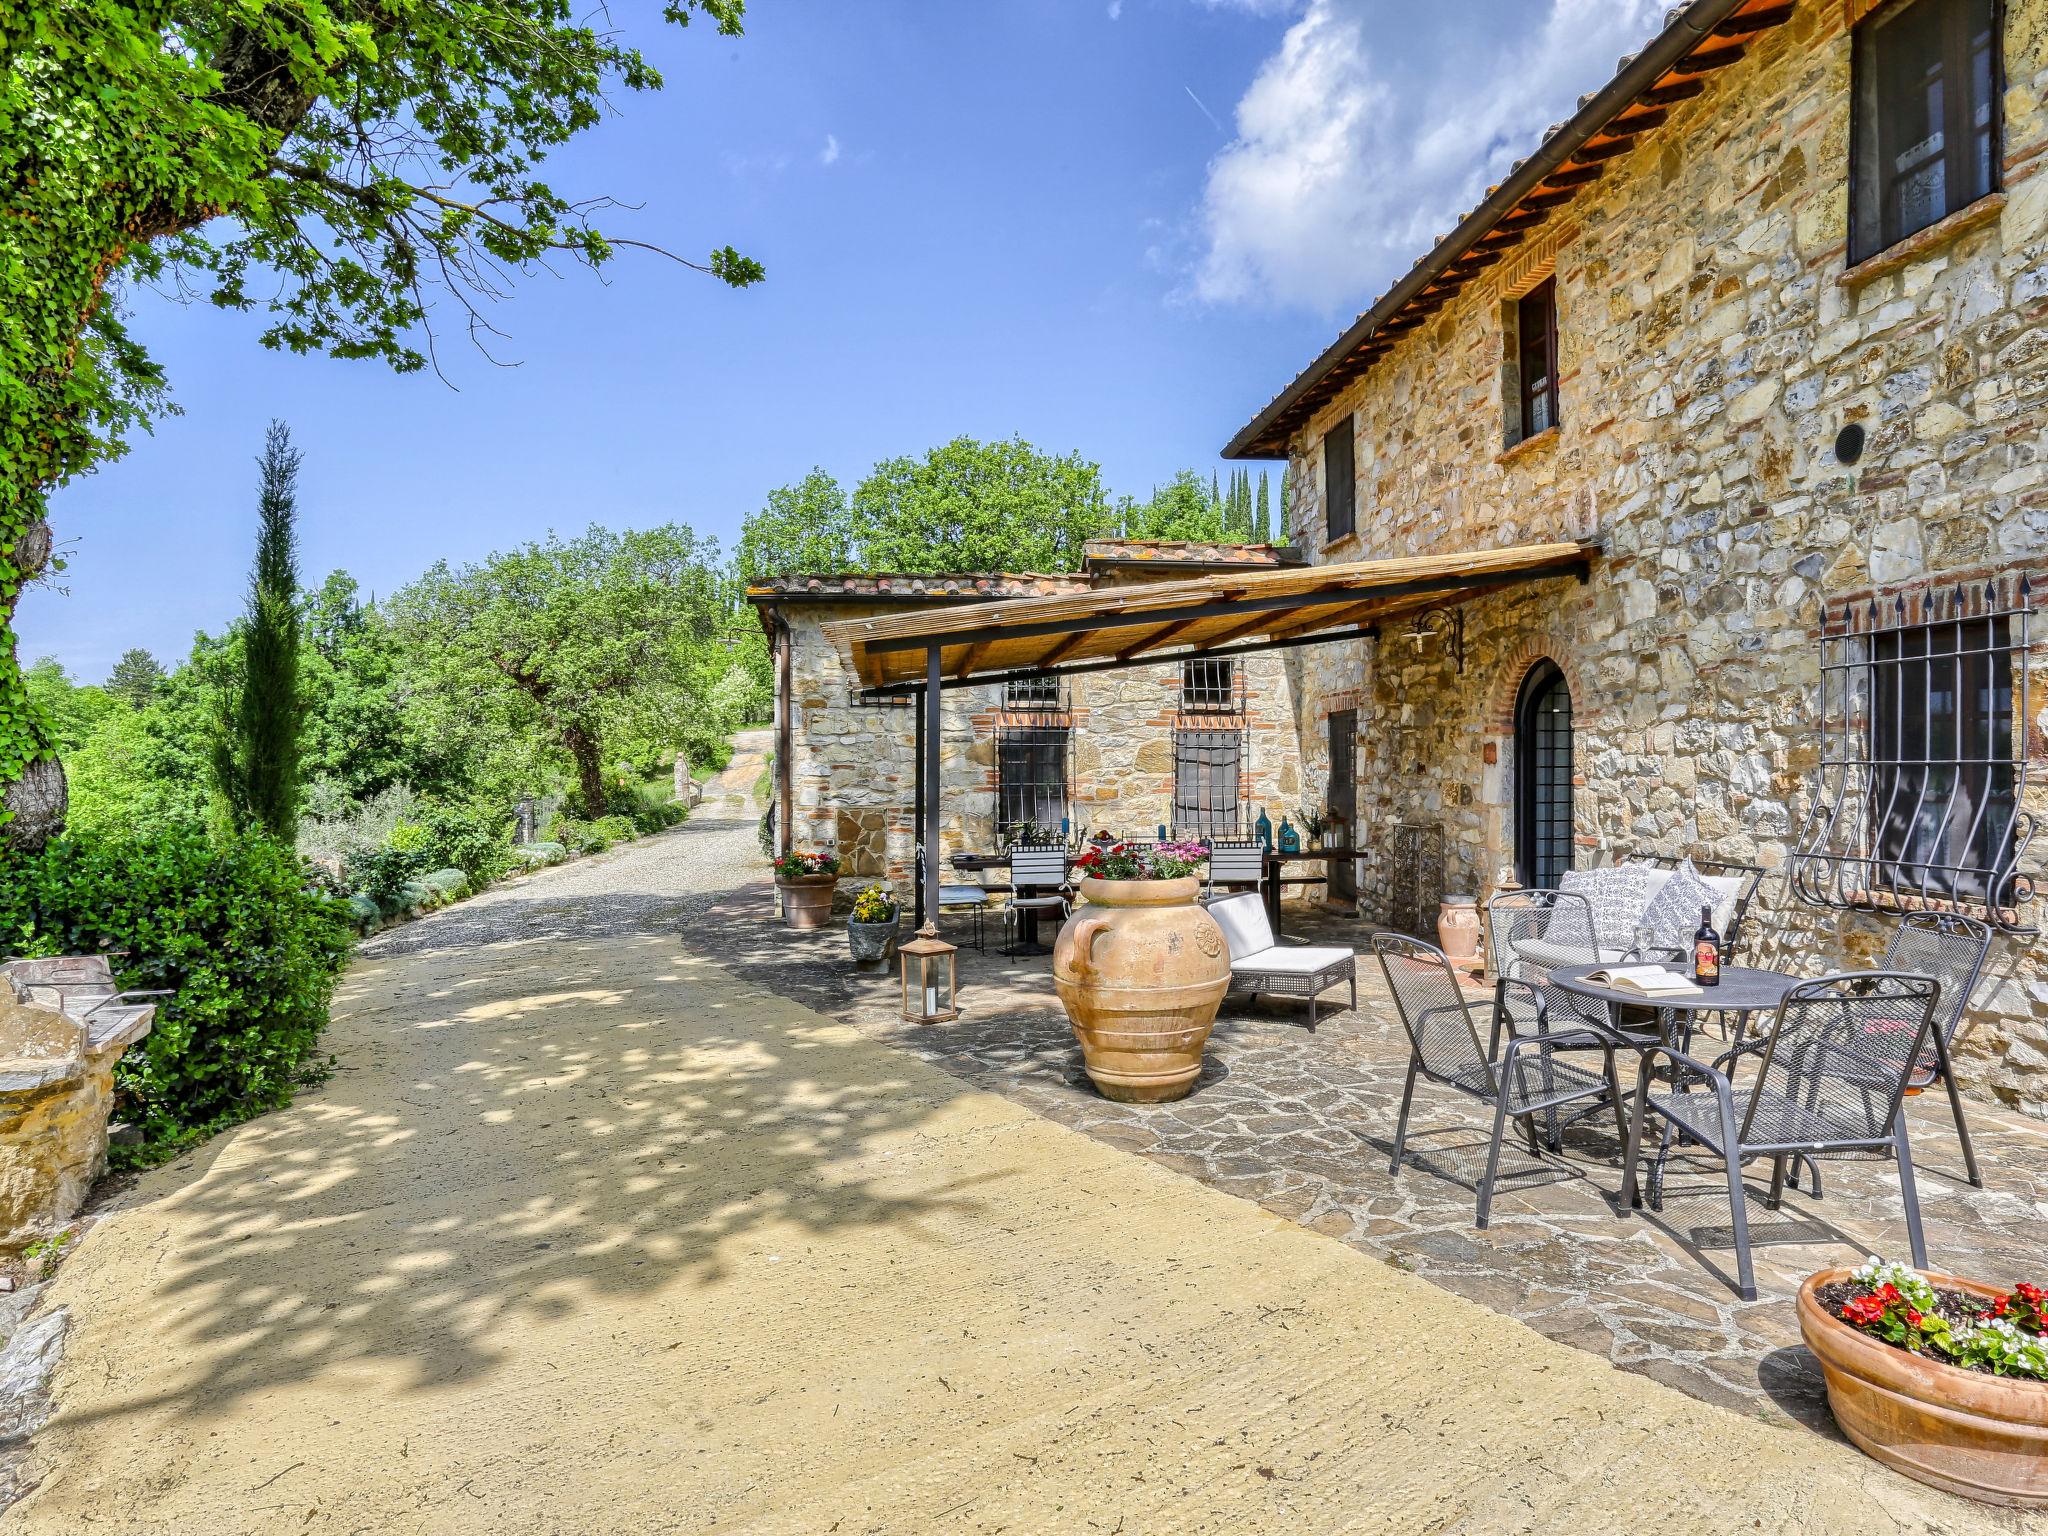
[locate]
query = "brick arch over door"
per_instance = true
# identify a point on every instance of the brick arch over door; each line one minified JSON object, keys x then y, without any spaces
{"x":1508,"y":673}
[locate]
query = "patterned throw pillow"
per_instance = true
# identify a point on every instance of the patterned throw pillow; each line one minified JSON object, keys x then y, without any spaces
{"x":1674,"y":915}
{"x":1617,"y":894}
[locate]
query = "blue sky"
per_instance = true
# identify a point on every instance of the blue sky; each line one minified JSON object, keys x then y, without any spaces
{"x":1112,"y":226}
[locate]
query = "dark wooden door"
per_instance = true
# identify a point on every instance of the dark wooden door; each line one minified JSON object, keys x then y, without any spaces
{"x":1344,"y":800}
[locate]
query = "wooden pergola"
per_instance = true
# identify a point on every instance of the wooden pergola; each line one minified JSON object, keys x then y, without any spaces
{"x":919,"y":655}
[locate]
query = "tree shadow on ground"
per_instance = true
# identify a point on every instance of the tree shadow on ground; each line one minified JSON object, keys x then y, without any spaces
{"x":518,"y":1134}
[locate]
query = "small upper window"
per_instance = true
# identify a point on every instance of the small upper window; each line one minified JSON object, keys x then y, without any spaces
{"x":1208,"y":685}
{"x":1340,"y":480}
{"x":1926,"y":118}
{"x":1536,"y":357}
{"x":1040,"y":691}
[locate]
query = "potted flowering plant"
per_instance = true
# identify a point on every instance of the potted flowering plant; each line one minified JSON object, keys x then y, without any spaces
{"x":871,"y":929}
{"x":1141,"y":969}
{"x":805,"y":877}
{"x":1945,"y":1380}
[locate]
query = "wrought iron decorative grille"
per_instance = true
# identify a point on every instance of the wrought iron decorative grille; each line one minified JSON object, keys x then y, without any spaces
{"x":1210,"y":781}
{"x":1033,"y":733}
{"x":1414,"y":888}
{"x":1210,"y":685}
{"x":1919,"y":799}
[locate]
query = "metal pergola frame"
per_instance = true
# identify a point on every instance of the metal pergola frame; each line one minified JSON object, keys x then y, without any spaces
{"x":1204,"y":619}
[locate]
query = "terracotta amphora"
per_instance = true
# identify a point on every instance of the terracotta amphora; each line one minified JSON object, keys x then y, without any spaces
{"x":1141,"y":970}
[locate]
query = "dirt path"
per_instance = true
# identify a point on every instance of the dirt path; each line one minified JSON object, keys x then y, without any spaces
{"x":591,"y":1235}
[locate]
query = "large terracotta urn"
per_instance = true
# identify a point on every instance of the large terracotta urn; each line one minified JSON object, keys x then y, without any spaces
{"x":1141,"y":970}
{"x":1982,"y":1436}
{"x":806,"y":900}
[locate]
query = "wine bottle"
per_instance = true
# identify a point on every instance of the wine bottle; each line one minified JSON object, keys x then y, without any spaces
{"x":1706,"y":951}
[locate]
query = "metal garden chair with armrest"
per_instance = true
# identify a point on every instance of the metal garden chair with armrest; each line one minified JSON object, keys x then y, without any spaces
{"x":1952,"y":949}
{"x":1532,"y":934}
{"x":1831,"y":1078}
{"x":1038,"y":878}
{"x":1236,"y":866}
{"x":1530,"y":1078}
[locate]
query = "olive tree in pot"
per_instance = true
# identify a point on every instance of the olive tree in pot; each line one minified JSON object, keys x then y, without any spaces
{"x":1943,"y":1379}
{"x":871,"y":930}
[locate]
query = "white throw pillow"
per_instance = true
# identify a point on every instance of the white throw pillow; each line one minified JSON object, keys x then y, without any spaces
{"x":1617,"y":894}
{"x":1673,"y":915}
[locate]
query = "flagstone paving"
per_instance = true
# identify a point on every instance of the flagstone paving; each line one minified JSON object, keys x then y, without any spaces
{"x":1302,"y":1123}
{"x":590,"y":1233}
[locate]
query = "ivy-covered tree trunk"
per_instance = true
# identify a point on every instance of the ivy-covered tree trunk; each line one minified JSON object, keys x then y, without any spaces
{"x":589,"y":759}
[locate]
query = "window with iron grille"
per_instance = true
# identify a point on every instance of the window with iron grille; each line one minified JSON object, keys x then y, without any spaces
{"x":1041,"y":691}
{"x":1208,"y":685}
{"x":1918,"y":801}
{"x":1208,"y":781}
{"x":1031,"y":777}
{"x":1340,"y":480}
{"x":1925,"y":87}
{"x":1032,"y":737}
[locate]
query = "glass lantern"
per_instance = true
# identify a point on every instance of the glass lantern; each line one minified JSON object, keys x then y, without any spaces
{"x":928,"y":978}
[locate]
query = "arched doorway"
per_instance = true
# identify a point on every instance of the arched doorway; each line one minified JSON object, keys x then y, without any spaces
{"x":1543,"y":777}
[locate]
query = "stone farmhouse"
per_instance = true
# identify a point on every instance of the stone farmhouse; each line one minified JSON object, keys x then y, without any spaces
{"x":1763,"y":328}
{"x":1195,"y":747}
{"x":1767,"y":320}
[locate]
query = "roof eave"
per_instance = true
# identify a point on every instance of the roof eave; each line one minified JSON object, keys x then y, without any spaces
{"x":1692,"y":26}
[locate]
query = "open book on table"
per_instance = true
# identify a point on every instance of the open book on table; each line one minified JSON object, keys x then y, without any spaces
{"x":1649,"y":980}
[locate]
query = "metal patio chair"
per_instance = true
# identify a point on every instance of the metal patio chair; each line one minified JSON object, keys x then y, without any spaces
{"x":959,"y":898}
{"x":1531,"y":934}
{"x":1831,"y":1079}
{"x":1952,"y":949}
{"x":1236,"y":866}
{"x":1531,"y":1076}
{"x":1038,"y":879}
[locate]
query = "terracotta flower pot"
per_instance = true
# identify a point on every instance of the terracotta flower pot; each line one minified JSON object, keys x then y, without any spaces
{"x":1984,"y":1437}
{"x":806,"y":900}
{"x":1140,"y":970}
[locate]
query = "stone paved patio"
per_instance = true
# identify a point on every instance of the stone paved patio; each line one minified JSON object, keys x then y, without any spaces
{"x":1302,"y":1123}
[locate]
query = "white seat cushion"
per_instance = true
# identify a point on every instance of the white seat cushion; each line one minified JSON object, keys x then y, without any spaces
{"x":1550,"y":956}
{"x":1291,"y":960}
{"x":962,"y":895}
{"x":1244,"y":925}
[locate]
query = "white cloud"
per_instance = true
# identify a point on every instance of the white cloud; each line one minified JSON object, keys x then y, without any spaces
{"x":1356,"y":146}
{"x":830,"y":153}
{"x":1116,"y":10}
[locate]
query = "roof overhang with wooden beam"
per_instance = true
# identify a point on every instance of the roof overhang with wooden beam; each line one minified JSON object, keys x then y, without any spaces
{"x":1700,"y":38}
{"x":1225,"y":613}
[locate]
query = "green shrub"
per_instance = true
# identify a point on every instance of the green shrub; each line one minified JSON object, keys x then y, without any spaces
{"x":476,"y":842}
{"x":364,"y":913}
{"x":382,"y":873}
{"x":226,"y":925}
{"x":448,"y":884}
{"x":538,"y":855}
{"x":616,"y":829}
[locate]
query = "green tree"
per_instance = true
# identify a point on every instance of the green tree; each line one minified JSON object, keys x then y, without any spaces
{"x":559,"y":639}
{"x":973,"y":506}
{"x":135,"y":678}
{"x":1181,"y":509}
{"x":256,"y":743}
{"x":1262,"y":520}
{"x":805,"y":528}
{"x":350,"y":158}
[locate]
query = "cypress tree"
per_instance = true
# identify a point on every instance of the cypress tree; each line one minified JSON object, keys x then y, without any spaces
{"x":1262,"y":520}
{"x":256,"y":745}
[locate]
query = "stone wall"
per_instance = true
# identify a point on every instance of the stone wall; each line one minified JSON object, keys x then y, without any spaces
{"x":1712,"y":344}
{"x":853,"y":767}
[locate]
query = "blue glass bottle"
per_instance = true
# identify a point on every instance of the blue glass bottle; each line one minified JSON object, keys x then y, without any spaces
{"x":1290,"y":840}
{"x":1262,"y":829}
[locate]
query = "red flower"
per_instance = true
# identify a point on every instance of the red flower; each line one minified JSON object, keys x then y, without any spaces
{"x":1912,"y":1318}
{"x":1864,"y":1311}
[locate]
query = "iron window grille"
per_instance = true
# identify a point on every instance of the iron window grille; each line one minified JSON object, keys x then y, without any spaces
{"x":1209,"y":685}
{"x":1033,"y":734}
{"x":1209,"y":781}
{"x":1920,"y":793}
